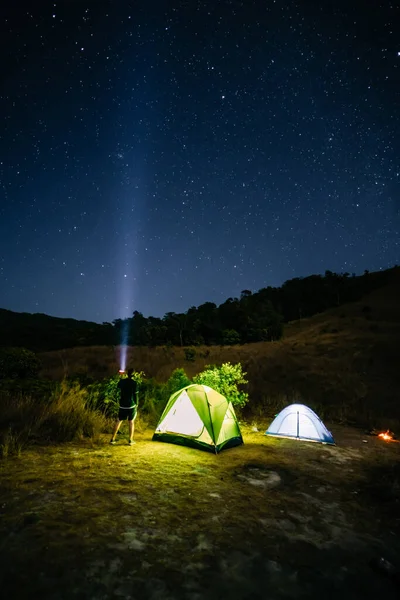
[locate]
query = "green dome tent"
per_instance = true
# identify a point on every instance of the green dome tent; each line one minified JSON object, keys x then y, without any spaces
{"x":199,"y":417}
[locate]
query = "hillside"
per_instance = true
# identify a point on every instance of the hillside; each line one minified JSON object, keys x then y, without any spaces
{"x":342,"y":362}
{"x":40,"y":332}
{"x":253,"y":317}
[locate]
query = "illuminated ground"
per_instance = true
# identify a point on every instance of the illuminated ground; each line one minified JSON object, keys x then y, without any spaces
{"x":271,"y":519}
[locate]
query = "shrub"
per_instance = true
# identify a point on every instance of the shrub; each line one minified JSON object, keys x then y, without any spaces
{"x":225,"y":379}
{"x":177,"y":381}
{"x":230,"y":337}
{"x":153,"y":398}
{"x":190,"y":354}
{"x":18,"y":362}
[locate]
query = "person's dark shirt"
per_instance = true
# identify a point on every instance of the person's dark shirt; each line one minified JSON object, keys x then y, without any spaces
{"x":128,"y":389}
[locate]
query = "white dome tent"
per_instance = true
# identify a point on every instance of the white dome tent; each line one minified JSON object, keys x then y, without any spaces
{"x":300,"y":422}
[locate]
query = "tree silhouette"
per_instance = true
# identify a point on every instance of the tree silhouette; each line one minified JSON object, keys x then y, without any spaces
{"x":255,"y":316}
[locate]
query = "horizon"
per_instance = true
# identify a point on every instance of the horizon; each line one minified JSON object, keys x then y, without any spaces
{"x":395,"y":266}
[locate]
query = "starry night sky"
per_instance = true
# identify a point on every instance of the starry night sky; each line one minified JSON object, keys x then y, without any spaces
{"x":158,"y":155}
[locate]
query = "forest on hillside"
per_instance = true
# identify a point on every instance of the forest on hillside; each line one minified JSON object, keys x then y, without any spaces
{"x":253,"y":317}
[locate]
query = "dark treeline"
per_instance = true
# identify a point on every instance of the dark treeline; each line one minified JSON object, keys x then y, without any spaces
{"x":253,"y":317}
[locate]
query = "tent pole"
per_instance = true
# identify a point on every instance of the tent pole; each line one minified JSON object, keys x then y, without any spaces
{"x":212,"y":427}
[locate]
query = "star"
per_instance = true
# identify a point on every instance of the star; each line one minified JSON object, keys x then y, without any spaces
{"x":122,"y":161}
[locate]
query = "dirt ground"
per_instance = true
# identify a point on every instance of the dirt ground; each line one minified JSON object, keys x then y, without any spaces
{"x":270,"y":519}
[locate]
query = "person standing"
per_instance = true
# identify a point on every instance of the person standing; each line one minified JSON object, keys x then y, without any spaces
{"x":127,"y":406}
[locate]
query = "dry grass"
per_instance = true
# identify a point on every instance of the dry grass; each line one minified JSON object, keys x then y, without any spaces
{"x":69,"y":416}
{"x":161,"y":521}
{"x":342,"y":363}
{"x":65,"y":416}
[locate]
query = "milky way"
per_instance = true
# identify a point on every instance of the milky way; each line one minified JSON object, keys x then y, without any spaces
{"x":155,"y":156}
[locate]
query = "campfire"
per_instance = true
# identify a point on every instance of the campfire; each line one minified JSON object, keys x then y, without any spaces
{"x":387,"y":436}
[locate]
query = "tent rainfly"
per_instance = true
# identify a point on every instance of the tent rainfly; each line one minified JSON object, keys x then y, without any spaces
{"x":300,"y":422}
{"x":200,"y":417}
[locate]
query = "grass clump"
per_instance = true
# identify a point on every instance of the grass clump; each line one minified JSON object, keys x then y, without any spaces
{"x":20,"y":417}
{"x":70,"y":415}
{"x":12,"y":443}
{"x":66,"y":414}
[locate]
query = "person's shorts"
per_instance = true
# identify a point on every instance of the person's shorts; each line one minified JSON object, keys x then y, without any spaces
{"x":127,"y":413}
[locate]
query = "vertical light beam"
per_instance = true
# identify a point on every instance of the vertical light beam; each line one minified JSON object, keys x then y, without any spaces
{"x":124,"y":347}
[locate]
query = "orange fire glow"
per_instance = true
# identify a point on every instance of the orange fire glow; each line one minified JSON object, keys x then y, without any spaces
{"x":385,"y":436}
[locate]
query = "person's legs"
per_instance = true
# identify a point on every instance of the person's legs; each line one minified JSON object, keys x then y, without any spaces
{"x":117,"y":426}
{"x":131,"y":430}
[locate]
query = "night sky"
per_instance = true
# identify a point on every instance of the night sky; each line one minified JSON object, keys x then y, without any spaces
{"x":158,"y":155}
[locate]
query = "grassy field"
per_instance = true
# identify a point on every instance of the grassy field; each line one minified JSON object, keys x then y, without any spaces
{"x":270,"y":519}
{"x":343,"y":363}
{"x":276,"y":519}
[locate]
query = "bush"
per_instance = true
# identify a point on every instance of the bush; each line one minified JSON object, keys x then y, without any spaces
{"x":18,"y":363}
{"x":225,"y":379}
{"x":230,"y":337}
{"x":190,"y":354}
{"x":177,"y":381}
{"x":153,"y":398}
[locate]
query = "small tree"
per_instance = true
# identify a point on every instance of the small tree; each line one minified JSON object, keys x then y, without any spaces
{"x":225,"y":380}
{"x":177,"y":381}
{"x":230,"y":337}
{"x":190,"y":354}
{"x":18,"y":363}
